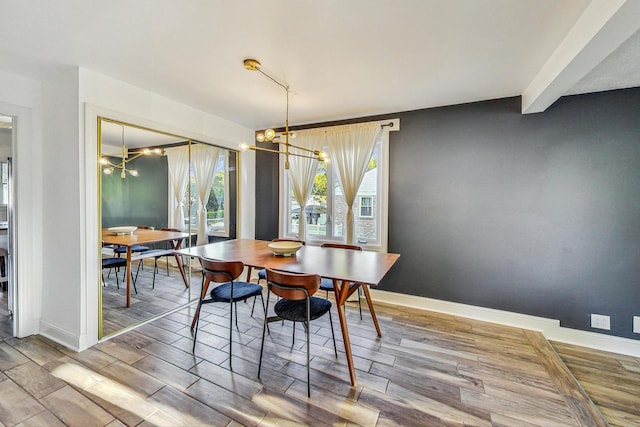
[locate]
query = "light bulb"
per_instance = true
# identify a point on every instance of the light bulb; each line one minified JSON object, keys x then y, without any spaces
{"x":244,"y":146}
{"x":157,"y":151}
{"x":260,"y":137}
{"x":269,"y":134}
{"x":146,"y":151}
{"x":133,"y":172}
{"x":104,"y":161}
{"x":107,"y":171}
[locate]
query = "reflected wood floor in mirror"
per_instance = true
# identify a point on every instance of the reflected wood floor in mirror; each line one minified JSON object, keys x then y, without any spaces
{"x":427,"y":369}
{"x":168,"y":293}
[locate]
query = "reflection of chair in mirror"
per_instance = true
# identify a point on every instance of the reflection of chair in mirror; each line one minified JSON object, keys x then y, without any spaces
{"x":115,"y":263}
{"x":156,"y":253}
{"x":223,"y":273}
{"x":3,"y":267}
{"x":119,"y":250}
{"x":296,"y":304}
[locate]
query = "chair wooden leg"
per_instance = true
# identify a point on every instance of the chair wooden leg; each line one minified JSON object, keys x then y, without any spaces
{"x":203,"y":294}
{"x":197,"y":323}
{"x":196,"y":317}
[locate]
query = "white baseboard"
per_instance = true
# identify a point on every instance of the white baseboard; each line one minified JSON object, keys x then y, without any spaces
{"x":60,"y":336}
{"x":550,"y":328}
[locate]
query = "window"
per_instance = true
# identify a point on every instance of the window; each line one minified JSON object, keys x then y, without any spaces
{"x":217,"y":204}
{"x":366,"y":207}
{"x":4,"y":182}
{"x":326,"y":211}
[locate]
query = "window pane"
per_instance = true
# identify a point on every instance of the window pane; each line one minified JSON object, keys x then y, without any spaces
{"x":215,"y":204}
{"x":366,"y":223}
{"x":315,"y":213}
{"x":294,"y":217}
{"x":316,"y":210}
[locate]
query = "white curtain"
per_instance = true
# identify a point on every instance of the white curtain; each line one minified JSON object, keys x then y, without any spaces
{"x":350,"y":149}
{"x":178,"y":160}
{"x":302,"y":172}
{"x":204,"y":158}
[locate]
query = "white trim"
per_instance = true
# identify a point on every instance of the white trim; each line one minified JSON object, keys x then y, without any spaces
{"x":549,"y":327}
{"x":27,"y":223}
{"x":65,"y":338}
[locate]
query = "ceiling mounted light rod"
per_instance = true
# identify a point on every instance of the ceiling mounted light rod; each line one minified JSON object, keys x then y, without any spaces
{"x":111,"y":167}
{"x":270,"y":134}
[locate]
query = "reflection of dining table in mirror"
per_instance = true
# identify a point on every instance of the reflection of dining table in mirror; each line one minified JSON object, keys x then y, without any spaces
{"x":363,"y":268}
{"x":142,"y":237}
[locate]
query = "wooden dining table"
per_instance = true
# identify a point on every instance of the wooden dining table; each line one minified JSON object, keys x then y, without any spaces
{"x":144,"y":237}
{"x":343,"y":266}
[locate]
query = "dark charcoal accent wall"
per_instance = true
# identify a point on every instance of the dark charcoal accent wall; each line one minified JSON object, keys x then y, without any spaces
{"x":267,"y":190}
{"x":140,"y":200}
{"x":535,"y":214}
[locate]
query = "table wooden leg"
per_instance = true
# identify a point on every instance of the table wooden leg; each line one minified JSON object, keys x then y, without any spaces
{"x":128,"y":271}
{"x":367,"y":295}
{"x":203,"y":294}
{"x":341,"y":290}
{"x":181,"y":268}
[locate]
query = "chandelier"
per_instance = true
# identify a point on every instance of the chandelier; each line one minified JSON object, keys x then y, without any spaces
{"x":271,"y":135}
{"x":124,"y":170}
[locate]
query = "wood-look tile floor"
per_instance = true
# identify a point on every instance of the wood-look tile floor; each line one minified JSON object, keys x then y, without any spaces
{"x":427,"y":369}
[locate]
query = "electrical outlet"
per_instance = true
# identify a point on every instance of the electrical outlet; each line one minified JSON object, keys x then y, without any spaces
{"x":636,"y":324}
{"x":600,"y":322}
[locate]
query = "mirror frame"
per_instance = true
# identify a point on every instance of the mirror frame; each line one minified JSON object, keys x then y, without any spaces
{"x":188,"y":266}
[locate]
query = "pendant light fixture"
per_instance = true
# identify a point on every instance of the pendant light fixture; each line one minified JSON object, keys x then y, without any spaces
{"x":280,"y":138}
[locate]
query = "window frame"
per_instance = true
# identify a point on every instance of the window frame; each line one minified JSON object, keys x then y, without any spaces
{"x":4,"y":183}
{"x":369,"y":206}
{"x":186,"y":205}
{"x":382,"y":198}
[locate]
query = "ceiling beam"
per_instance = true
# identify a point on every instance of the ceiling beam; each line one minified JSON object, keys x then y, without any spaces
{"x":601,"y":29}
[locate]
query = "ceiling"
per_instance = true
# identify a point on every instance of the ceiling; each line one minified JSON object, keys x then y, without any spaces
{"x":342,"y":59}
{"x":115,"y":135}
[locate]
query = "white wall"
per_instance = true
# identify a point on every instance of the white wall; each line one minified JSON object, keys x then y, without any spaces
{"x":61,"y":239}
{"x":100,"y":95}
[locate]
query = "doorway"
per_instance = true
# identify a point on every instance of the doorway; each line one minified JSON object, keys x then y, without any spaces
{"x":6,"y":231}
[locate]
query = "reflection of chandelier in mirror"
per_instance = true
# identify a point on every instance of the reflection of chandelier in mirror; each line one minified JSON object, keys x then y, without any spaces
{"x":270,"y":135}
{"x":111,"y":167}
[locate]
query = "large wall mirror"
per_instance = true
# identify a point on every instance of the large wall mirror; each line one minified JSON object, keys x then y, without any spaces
{"x":175,"y":192}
